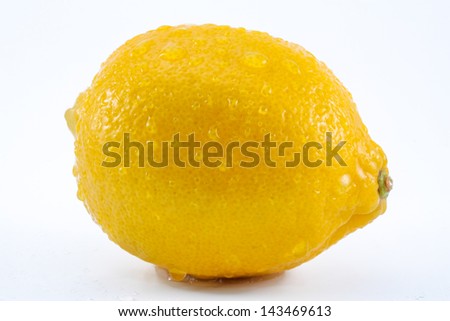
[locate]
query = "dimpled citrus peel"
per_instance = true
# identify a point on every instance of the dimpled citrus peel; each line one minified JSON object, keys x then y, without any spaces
{"x":225,"y":85}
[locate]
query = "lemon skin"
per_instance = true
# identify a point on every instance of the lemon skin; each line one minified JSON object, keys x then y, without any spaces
{"x":227,"y":85}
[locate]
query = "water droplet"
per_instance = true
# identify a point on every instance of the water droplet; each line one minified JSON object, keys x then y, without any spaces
{"x":232,"y":102}
{"x":80,"y":194}
{"x":266,"y":90}
{"x":321,"y":110}
{"x":200,"y":42}
{"x":213,"y":133}
{"x":105,"y":120}
{"x":209,"y":100}
{"x":360,"y":171}
{"x":292,"y":67}
{"x":180,"y":31}
{"x":255,"y":60}
{"x":195,"y":105}
{"x":148,"y":123}
{"x":172,"y":53}
{"x":234,"y":261}
{"x":345,"y":180}
{"x":198,"y":156}
{"x":345,"y":184}
{"x":106,"y":96}
{"x":222,"y":40}
{"x":195,"y":61}
{"x":178,"y":276}
{"x":300,"y":249}
{"x":164,"y":27}
{"x":139,"y":51}
{"x":71,"y":116}
{"x":263,"y":110}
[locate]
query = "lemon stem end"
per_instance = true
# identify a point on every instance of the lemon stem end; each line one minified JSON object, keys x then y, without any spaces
{"x":385,"y":183}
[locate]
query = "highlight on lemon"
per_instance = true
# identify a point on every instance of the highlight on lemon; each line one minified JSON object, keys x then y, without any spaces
{"x":228,"y":86}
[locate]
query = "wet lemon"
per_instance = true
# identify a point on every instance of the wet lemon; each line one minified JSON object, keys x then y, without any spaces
{"x":301,"y":173}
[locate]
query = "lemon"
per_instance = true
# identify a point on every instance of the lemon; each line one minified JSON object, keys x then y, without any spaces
{"x":245,"y":213}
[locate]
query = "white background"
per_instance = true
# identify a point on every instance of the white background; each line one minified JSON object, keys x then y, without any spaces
{"x":393,"y":57}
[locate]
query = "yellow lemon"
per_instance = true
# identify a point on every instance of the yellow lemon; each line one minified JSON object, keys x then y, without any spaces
{"x":214,"y":151}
